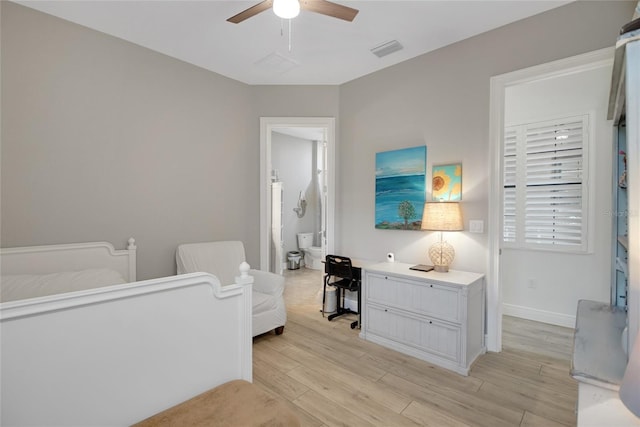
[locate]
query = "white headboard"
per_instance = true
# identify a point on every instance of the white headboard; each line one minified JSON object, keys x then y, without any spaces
{"x":69,"y":257}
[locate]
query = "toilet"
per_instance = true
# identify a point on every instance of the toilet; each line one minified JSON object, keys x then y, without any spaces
{"x":312,"y":254}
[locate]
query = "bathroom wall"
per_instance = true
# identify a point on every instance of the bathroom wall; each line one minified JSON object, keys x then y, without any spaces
{"x":293,"y":159}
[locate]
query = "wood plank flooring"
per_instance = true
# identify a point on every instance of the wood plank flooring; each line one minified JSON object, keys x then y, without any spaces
{"x":331,"y":377}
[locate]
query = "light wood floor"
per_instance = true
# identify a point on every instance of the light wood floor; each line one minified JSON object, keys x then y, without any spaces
{"x":331,"y":377}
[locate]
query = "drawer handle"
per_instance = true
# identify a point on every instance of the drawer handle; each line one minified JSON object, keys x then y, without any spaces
{"x":385,"y":310}
{"x":430,"y":322}
{"x":431,"y":286}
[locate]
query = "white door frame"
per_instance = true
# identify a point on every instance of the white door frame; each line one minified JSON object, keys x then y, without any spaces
{"x":267,"y":126}
{"x":499,"y":84}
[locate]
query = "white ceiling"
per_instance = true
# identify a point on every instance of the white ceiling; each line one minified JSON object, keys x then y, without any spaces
{"x":324,"y":50}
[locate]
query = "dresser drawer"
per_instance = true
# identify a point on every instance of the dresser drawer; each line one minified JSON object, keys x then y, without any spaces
{"x":429,"y":299}
{"x":438,"y":338}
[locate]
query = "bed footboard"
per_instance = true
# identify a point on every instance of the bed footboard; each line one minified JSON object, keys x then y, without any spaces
{"x":116,"y":355}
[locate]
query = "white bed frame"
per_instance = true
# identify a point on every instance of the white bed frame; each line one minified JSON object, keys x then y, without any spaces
{"x":70,"y":257}
{"x":117,"y":355}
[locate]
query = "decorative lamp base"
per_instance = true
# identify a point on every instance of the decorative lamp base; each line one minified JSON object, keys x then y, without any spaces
{"x":441,"y":255}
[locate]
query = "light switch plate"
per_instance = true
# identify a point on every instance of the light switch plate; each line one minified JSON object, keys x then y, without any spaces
{"x":476,"y":226}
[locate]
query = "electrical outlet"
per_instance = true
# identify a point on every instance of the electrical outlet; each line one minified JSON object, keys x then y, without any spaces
{"x":476,"y":226}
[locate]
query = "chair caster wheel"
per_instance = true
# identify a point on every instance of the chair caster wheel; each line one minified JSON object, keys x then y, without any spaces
{"x":353,"y":325}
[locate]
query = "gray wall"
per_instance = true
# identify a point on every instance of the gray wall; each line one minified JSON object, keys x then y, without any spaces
{"x":441,"y":100}
{"x":103,"y":139}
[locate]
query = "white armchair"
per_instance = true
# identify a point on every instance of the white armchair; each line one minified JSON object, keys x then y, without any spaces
{"x":222,"y":260}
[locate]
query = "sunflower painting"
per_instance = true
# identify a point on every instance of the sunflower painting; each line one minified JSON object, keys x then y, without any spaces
{"x":447,"y":183}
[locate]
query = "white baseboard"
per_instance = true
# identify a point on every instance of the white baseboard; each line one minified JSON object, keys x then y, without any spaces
{"x":543,"y":316}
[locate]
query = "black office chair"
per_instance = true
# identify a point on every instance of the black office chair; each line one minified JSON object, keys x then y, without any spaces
{"x":339,"y":272}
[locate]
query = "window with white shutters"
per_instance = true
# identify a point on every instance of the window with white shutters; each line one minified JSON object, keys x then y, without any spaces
{"x":545,"y":186}
{"x":509,"y":199}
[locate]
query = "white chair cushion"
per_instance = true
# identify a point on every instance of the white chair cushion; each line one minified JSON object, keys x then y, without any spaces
{"x":262,"y":303}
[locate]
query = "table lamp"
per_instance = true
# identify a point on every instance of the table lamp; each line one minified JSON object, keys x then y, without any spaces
{"x":442,"y":216}
{"x":630,"y":387}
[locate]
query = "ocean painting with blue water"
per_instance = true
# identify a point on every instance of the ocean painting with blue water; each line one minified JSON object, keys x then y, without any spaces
{"x":400,"y":188}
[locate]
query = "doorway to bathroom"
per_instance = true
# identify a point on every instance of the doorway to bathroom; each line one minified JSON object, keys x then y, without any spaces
{"x":297,"y":182}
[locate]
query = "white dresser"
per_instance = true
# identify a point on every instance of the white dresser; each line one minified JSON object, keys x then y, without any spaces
{"x":437,"y":317}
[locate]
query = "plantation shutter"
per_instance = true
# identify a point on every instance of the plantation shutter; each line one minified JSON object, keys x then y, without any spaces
{"x":544,"y":185}
{"x":509,"y":199}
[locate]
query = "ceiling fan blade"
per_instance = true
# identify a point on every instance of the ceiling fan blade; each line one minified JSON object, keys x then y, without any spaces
{"x":252,"y":11}
{"x":328,"y":8}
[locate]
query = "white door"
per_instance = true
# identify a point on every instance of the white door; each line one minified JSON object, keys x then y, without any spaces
{"x":277,"y":256}
{"x":324,"y":196}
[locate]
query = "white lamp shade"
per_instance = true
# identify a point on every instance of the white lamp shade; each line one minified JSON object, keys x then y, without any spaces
{"x":286,"y":9}
{"x":630,"y":387}
{"x":442,"y":216}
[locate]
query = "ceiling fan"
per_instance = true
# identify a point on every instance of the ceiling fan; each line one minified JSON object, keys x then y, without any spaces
{"x":290,"y":8}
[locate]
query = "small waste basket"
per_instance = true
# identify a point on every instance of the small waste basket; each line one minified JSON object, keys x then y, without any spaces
{"x":293,"y":260}
{"x":331,"y":299}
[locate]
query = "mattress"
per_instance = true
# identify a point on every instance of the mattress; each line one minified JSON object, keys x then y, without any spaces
{"x":23,"y":286}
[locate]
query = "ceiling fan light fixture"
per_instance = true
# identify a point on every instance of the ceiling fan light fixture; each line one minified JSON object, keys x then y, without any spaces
{"x":286,"y":9}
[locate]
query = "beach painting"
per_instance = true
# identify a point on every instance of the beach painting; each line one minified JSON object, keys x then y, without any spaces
{"x":447,"y":183}
{"x":400,"y":188}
